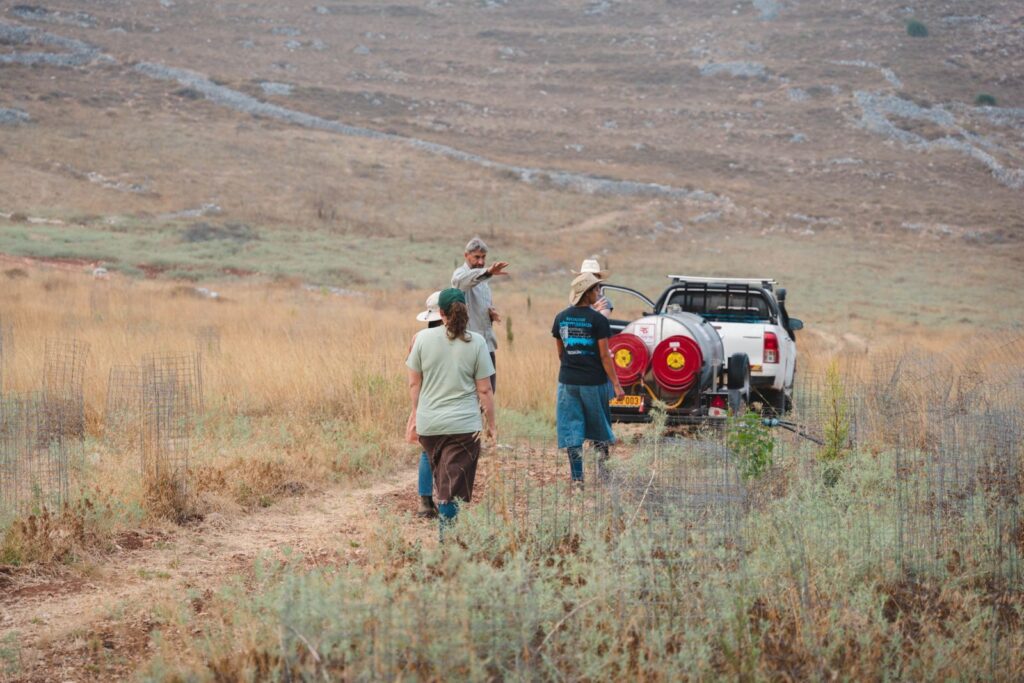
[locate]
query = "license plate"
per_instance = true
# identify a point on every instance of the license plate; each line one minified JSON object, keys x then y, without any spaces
{"x":627,"y":402}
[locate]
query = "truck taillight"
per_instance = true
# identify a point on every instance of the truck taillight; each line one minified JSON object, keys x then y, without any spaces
{"x":771,"y":348}
{"x":718,"y":407}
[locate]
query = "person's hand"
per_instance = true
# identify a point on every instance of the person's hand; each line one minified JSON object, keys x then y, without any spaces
{"x":410,"y":429}
{"x":491,"y":436}
{"x":619,"y":393}
{"x":494,"y":315}
{"x":602,"y":304}
{"x":498,"y":268}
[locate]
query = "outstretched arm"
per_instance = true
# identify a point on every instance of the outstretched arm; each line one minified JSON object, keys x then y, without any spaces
{"x":468,"y":278}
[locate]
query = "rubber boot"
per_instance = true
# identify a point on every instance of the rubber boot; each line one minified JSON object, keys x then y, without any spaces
{"x":575,"y":467}
{"x":446,"y":513}
{"x":427,"y":508}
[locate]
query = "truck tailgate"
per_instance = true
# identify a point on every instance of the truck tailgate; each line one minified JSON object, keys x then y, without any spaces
{"x":745,"y":338}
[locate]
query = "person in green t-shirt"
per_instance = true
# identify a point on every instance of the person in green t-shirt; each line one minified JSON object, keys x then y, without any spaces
{"x":449,"y":383}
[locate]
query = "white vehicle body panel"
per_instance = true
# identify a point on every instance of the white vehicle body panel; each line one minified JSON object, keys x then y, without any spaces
{"x":746,"y":337}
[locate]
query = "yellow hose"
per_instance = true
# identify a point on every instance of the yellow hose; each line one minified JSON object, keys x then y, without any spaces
{"x":675,"y":405}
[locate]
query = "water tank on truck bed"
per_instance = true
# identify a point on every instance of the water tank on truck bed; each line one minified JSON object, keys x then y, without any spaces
{"x":677,"y":358}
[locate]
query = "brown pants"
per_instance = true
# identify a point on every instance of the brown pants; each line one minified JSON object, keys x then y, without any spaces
{"x":453,"y":459}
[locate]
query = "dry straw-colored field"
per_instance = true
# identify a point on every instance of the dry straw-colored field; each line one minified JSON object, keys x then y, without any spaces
{"x":305,"y":401}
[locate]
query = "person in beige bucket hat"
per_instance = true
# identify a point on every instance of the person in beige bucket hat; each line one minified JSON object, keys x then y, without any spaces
{"x":603,"y":304}
{"x":586,"y":376}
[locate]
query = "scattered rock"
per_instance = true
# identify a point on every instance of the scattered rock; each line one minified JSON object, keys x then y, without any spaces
{"x":735,"y":69}
{"x":13,"y":117}
{"x":272,"y":88}
{"x":578,"y":182}
{"x":292,"y":44}
{"x":42,"y":14}
{"x":361,"y":50}
{"x":1004,"y":116}
{"x":877,"y":109}
{"x":598,"y":8}
{"x":769,"y":9}
{"x":798,"y":138}
{"x":204,"y":210}
{"x":797,"y":95}
{"x":708,"y":217}
{"x":289,"y":31}
{"x":78,"y":53}
{"x":889,"y":74}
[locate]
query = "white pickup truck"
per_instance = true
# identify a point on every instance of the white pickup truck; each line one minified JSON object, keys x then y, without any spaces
{"x":749,"y":315}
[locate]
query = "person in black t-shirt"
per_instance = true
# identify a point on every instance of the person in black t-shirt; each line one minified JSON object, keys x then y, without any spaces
{"x":586,"y":376}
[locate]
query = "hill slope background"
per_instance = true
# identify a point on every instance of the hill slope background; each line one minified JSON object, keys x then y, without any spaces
{"x":359,"y":145}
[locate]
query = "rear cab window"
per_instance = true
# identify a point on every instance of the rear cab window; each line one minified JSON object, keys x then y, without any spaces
{"x":738,"y":305}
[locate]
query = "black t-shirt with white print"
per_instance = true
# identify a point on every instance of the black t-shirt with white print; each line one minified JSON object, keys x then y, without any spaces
{"x":580,"y":328}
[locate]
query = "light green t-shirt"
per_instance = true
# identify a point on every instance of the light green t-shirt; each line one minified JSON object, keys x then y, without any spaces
{"x":448,"y":402}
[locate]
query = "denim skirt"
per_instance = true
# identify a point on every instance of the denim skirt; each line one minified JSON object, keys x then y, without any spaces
{"x":583,"y":413}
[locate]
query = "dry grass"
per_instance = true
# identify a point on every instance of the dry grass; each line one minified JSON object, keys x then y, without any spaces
{"x":306,"y":387}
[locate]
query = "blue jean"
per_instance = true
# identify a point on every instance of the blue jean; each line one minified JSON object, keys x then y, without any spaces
{"x":426,"y":477}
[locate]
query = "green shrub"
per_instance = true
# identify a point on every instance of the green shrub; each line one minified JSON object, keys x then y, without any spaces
{"x":916,"y":29}
{"x":752,"y":443}
{"x":985,"y":100}
{"x":837,"y":418}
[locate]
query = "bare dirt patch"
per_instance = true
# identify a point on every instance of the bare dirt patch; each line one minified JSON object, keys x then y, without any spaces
{"x":98,"y":622}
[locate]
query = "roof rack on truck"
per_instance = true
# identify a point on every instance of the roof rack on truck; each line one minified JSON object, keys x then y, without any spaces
{"x":765,"y":282}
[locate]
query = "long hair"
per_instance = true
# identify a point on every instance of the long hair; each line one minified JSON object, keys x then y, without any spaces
{"x":457,"y":319}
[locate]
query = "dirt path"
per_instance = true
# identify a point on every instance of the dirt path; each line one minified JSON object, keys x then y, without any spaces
{"x":51,"y":627}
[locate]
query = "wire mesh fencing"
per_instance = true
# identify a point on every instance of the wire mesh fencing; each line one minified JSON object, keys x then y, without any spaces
{"x":34,"y":455}
{"x":63,"y":384}
{"x":124,"y":403}
{"x":171,"y":399}
{"x":3,"y":354}
{"x":208,"y":340}
{"x":99,"y":300}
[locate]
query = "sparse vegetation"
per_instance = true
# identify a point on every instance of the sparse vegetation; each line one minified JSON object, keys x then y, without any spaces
{"x":752,"y":442}
{"x":734,"y":554}
{"x":917,"y":29}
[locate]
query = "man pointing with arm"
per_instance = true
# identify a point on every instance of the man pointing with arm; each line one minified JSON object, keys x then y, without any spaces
{"x":472,"y":277}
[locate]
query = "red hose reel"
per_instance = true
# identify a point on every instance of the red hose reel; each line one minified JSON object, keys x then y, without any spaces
{"x":629,"y":356}
{"x":676,"y":363}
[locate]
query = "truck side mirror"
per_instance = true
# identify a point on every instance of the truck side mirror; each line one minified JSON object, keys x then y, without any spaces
{"x":781,"y":295}
{"x":796,"y":324}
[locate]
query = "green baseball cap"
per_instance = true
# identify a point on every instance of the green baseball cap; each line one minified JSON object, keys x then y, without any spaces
{"x":450,"y":296}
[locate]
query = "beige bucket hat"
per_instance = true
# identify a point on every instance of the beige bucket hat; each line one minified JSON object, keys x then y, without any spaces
{"x":433,"y":312}
{"x":580,"y":285}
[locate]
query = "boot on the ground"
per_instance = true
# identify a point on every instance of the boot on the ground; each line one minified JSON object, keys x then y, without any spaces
{"x":427,"y":508}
